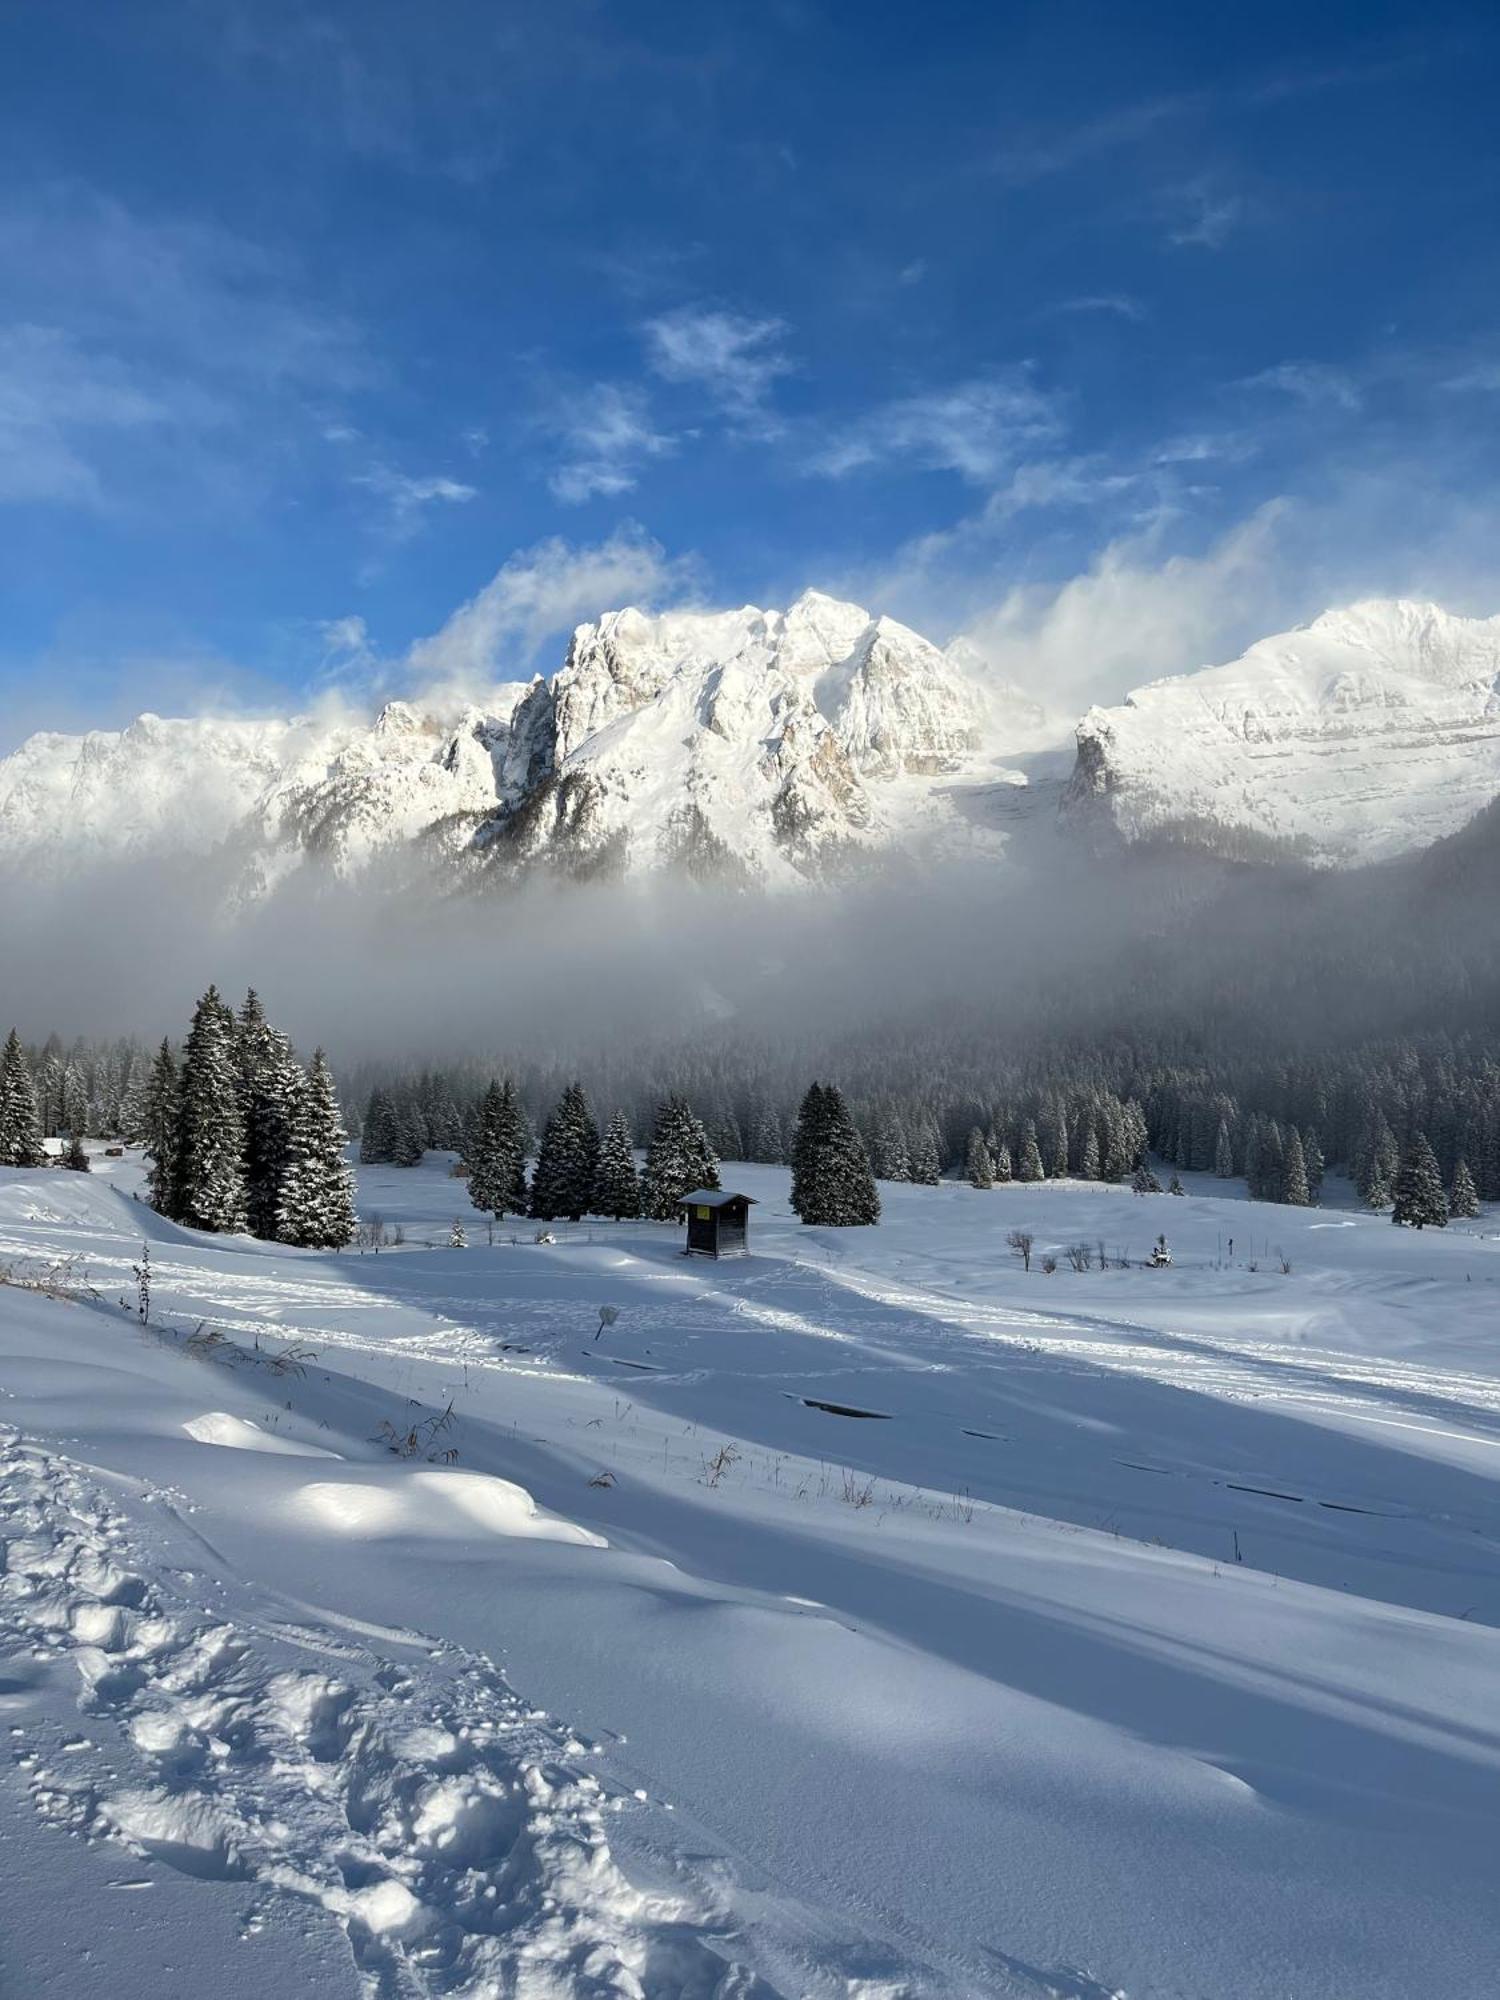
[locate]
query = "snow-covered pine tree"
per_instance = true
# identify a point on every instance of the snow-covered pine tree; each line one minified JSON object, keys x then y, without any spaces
{"x":75,"y":1116}
{"x":1312,"y":1156}
{"x":1463,"y":1197}
{"x":1419,"y":1199}
{"x":926,"y":1150}
{"x":49,"y":1081}
{"x":1004,"y":1168}
{"x":1088,"y":1158}
{"x":1029,"y":1162}
{"x":832,"y":1184}
{"x":890,"y":1156}
{"x":617,"y":1191}
{"x":377,"y":1139}
{"x":767,"y":1140}
{"x":1143,"y":1181}
{"x":408,"y":1135}
{"x":209,"y":1179}
{"x":1294,"y":1188}
{"x":678,"y":1159}
{"x":568,"y":1160}
{"x":497,"y":1156}
{"x":270,"y":1086}
{"x":1223,"y":1152}
{"x":20,"y":1128}
{"x":1174,"y":1186}
{"x":159,"y":1133}
{"x":76,"y":1158}
{"x":979,"y":1166}
{"x":316,"y":1205}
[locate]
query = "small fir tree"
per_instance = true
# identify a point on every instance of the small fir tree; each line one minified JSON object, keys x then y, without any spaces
{"x":316,"y":1209}
{"x":163,"y":1100}
{"x":617,"y":1192}
{"x":497,"y":1156}
{"x":20,"y":1127}
{"x":1294,"y":1188}
{"x":568,"y":1160}
{"x":678,"y":1159}
{"x":75,"y":1158}
{"x":1223,"y":1153}
{"x":210,"y":1176}
{"x":1419,"y":1199}
{"x":1029,"y":1163}
{"x":1463,"y":1197}
{"x":979,"y":1167}
{"x":832,"y":1184}
{"x":377,"y":1139}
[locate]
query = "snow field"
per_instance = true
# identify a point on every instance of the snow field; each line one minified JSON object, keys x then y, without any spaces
{"x":1140,"y":1639}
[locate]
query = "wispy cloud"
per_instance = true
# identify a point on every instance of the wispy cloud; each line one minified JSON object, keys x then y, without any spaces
{"x":1313,"y":383}
{"x":152,"y":360}
{"x":56,"y":402}
{"x":540,"y":593}
{"x":1040,"y":154}
{"x":406,"y":499}
{"x":606,"y":434}
{"x":1121,"y":304}
{"x":977,"y":429}
{"x":734,"y":359}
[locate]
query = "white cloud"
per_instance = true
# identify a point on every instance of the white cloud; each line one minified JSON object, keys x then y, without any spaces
{"x":1309,"y":382}
{"x":606,"y":433}
{"x":407,"y":498}
{"x":539,"y":594}
{"x":1121,"y":304}
{"x":1133,"y":616}
{"x":977,"y":429}
{"x":734,"y":358}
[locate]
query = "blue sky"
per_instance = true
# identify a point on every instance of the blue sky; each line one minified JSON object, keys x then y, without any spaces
{"x":1111,"y":335}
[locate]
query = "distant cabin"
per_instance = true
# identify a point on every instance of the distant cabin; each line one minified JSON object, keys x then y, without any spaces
{"x":718,"y":1223}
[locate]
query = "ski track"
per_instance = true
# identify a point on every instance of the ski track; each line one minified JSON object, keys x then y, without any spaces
{"x":416,"y":1800}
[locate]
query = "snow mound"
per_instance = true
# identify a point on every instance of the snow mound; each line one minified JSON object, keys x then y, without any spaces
{"x":441,"y":1504}
{"x":240,"y":1434}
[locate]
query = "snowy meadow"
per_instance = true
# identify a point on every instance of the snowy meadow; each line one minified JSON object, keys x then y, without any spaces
{"x":870,"y":1615}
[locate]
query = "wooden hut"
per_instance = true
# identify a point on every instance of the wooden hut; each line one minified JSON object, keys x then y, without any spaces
{"x":718,"y":1222}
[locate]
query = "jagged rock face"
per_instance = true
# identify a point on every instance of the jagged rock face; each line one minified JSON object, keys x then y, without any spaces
{"x":1374,"y":730}
{"x":758,"y":745}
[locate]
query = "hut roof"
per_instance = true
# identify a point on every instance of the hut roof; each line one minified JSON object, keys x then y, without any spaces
{"x":712,"y":1198}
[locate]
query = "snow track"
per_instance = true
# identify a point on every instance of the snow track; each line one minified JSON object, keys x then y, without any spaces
{"x":394,"y":1783}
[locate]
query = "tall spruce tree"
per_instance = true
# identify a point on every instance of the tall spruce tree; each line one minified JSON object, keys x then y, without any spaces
{"x":210,"y":1175}
{"x":315,"y":1206}
{"x":678,"y":1159}
{"x":1419,"y":1199}
{"x":1223,"y":1152}
{"x":617,"y":1192}
{"x":377,"y":1139}
{"x":568,"y":1160}
{"x":20,"y":1126}
{"x":979,"y":1166}
{"x":497,"y":1157}
{"x":1463,"y":1197}
{"x":163,"y":1111}
{"x":1294,"y":1188}
{"x":1029,"y":1161}
{"x":832,"y":1185}
{"x":271,"y":1084}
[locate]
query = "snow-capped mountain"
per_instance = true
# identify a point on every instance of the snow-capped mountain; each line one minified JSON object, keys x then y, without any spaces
{"x":761,"y":744}
{"x":1371,"y":731}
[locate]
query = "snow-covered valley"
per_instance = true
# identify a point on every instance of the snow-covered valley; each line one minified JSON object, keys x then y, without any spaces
{"x":869,"y":1616}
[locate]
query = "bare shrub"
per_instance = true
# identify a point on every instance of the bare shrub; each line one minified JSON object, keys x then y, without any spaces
{"x":1080,"y":1256}
{"x":1019,"y":1243}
